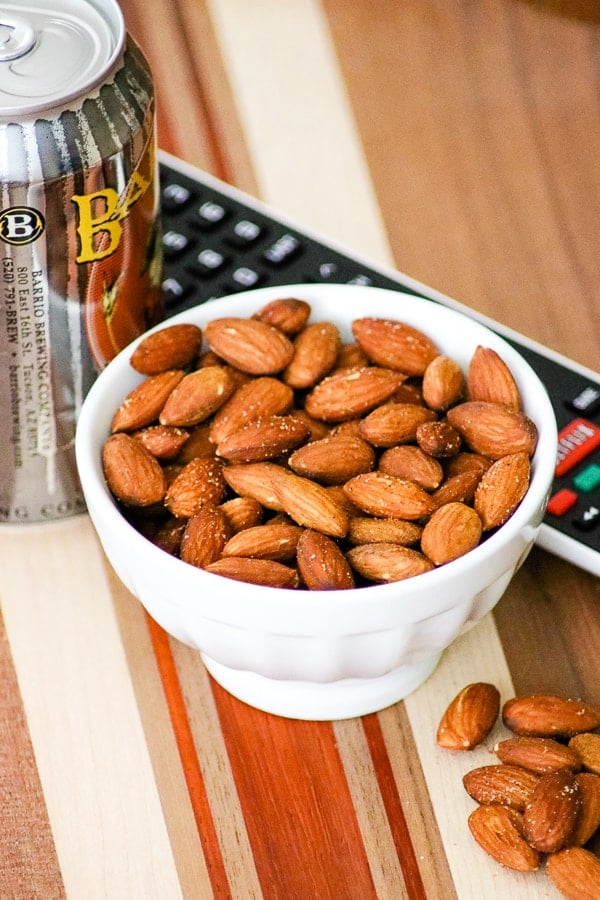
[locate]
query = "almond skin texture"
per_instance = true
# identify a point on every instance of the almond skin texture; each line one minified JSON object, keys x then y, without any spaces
{"x":321,"y":563}
{"x":254,"y":480}
{"x":173,"y":347}
{"x":489,"y":379}
{"x":498,"y":831}
{"x":394,"y":423}
{"x":385,"y":496}
{"x":308,"y":503}
{"x":276,"y":542}
{"x":469,"y":717}
{"x":287,"y":314}
{"x":588,"y":822}
{"x":383,"y":563}
{"x":164,"y":442}
{"x":263,"y":439}
{"x":350,"y":393}
{"x":366,"y":530}
{"x":541,"y":755}
{"x":395,"y":345}
{"x":453,"y":530}
{"x":242,"y":512}
{"x":198,"y":396}
{"x":198,"y":483}
{"x":143,"y":404}
{"x":443,"y":383}
{"x":575,"y":872}
{"x":457,"y":489}
{"x":132,"y":473}
{"x":315,"y":352}
{"x":493,"y":430}
{"x":545,"y":715}
{"x":249,"y":345}
{"x":438,"y":439}
{"x":333,"y":460}
{"x":205,"y":536}
{"x":501,"y":489}
{"x":266,"y":572}
{"x":551,"y":814}
{"x":260,"y":397}
{"x":587,"y":746}
{"x":507,"y":785}
{"x":412,"y":464}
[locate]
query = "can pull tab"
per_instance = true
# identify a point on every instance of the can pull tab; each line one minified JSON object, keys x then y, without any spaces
{"x":17,"y":37}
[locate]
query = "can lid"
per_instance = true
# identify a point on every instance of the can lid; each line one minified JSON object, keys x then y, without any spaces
{"x":50,"y":54}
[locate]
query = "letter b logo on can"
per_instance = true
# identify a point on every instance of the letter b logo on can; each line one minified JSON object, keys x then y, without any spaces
{"x":21,"y":225}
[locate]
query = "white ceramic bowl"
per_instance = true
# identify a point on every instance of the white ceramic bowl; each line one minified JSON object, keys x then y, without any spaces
{"x":320,"y":655}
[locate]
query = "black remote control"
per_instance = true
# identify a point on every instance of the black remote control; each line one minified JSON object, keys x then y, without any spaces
{"x":218,"y":240}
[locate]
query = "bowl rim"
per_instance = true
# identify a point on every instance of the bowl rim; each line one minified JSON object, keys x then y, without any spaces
{"x":102,"y":503}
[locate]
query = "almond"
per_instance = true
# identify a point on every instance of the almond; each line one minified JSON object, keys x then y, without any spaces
{"x":493,"y":430}
{"x":351,"y":392}
{"x":198,"y":444}
{"x":242,"y":512}
{"x":545,"y":715}
{"x":504,"y":784}
{"x":266,"y":572}
{"x":254,"y":480}
{"x":383,"y":563}
{"x":490,"y":379}
{"x":333,"y":460}
{"x":540,"y":755}
{"x":365,"y":530}
{"x":308,"y":503}
{"x":173,"y":347}
{"x":386,"y":496}
{"x":205,"y":536}
{"x":169,"y":534}
{"x":443,"y":383}
{"x":133,"y":475}
{"x":470,"y":717}
{"x":412,"y":464}
{"x":466,"y":462}
{"x":498,"y":831}
{"x":288,"y":314}
{"x":143,"y":404}
{"x":395,"y":345}
{"x":164,"y":442}
{"x":200,"y":482}
{"x":438,"y":439}
{"x":575,"y":872}
{"x":551,"y":814}
{"x":249,"y":344}
{"x":588,"y":822}
{"x":587,"y":746}
{"x":453,"y":530}
{"x":501,"y":489}
{"x":351,"y":356}
{"x":263,"y":439}
{"x":394,"y":423}
{"x":457,"y":489}
{"x":315,"y":352}
{"x":197,"y":396}
{"x":263,"y":396}
{"x":321,"y":563}
{"x":265,"y":542}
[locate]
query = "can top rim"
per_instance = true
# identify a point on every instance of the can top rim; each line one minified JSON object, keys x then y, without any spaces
{"x":52,"y":54}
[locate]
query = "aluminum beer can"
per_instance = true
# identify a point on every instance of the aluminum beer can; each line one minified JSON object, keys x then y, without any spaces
{"x":80,"y":264}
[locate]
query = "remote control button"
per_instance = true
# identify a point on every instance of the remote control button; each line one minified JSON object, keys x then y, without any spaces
{"x":176,"y":289}
{"x":588,"y":520}
{"x":561,"y":502}
{"x":365,"y":280}
{"x":575,"y":442}
{"x":587,"y":401}
{"x":588,"y":478}
{"x":175,"y":197}
{"x":208,"y":261}
{"x":283,"y":250}
{"x":244,"y":233}
{"x":244,"y":277}
{"x":174,"y":243}
{"x":209,"y":215}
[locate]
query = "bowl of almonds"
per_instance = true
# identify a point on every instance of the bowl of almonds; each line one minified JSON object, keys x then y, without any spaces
{"x":319,"y":487}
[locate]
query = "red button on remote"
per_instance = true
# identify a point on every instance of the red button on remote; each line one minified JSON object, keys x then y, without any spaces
{"x":561,"y":502}
{"x":575,"y":442}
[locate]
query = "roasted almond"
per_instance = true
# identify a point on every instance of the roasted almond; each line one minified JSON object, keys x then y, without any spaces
{"x":133,"y":475}
{"x":575,"y":872}
{"x":466,"y":462}
{"x":321,"y":563}
{"x":308,"y":503}
{"x":545,"y":715}
{"x":164,"y":442}
{"x":200,"y":482}
{"x":493,"y":430}
{"x":334,"y":459}
{"x":588,"y":822}
{"x":242,"y":512}
{"x":490,"y":379}
{"x":469,"y":717}
{"x":386,"y":496}
{"x":412,"y":464}
{"x":453,"y":530}
{"x":168,"y":535}
{"x":551,"y":814}
{"x":456,"y":489}
{"x":351,"y":356}
{"x":263,"y":439}
{"x":254,"y":480}
{"x":197,"y":396}
{"x":249,"y":344}
{"x":587,"y":746}
{"x":383,"y":563}
{"x":395,"y":345}
{"x":498,"y":831}
{"x":350,"y":393}
{"x":394,"y":423}
{"x":265,"y":542}
{"x":205,"y":536}
{"x":443,"y":383}
{"x":143,"y":404}
{"x":504,"y":784}
{"x":172,"y":347}
{"x":266,"y":572}
{"x":197,"y":444}
{"x":264,"y":396}
{"x":438,"y":439}
{"x":288,"y":314}
{"x":315,"y":352}
{"x":501,"y":489}
{"x":538,"y":754}
{"x":367,"y":530}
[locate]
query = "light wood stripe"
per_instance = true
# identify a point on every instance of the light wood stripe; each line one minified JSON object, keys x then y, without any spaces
{"x":88,"y":740}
